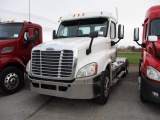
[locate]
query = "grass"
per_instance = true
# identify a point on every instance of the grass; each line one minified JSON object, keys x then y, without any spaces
{"x":132,"y":57}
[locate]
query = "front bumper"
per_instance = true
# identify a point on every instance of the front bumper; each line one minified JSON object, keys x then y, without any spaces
{"x":148,"y":88}
{"x":78,"y":89}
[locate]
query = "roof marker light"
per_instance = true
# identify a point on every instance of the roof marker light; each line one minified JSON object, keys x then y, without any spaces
{"x":24,"y":21}
{"x":83,"y":14}
{"x":101,"y":13}
{"x":74,"y":15}
{"x":9,"y":21}
{"x":79,"y":15}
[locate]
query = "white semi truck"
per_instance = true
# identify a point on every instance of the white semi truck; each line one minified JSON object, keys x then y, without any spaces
{"x":81,"y":62}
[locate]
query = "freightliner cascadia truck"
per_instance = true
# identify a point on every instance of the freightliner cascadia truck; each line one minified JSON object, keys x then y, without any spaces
{"x":149,"y":66}
{"x":16,"y":42}
{"x":81,"y":62}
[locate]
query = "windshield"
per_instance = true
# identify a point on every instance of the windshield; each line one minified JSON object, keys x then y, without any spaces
{"x":10,"y":31}
{"x":155,"y":27}
{"x":82,"y":27}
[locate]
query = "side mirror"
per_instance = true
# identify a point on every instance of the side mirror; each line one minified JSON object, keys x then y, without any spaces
{"x":152,"y":38}
{"x":136,"y":38}
{"x":136,"y":34}
{"x":54,"y":34}
{"x":120,"y":31}
{"x":93,"y":34}
{"x":120,"y":34}
{"x":31,"y":34}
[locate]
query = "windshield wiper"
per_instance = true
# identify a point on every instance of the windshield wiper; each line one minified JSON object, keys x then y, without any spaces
{"x":82,"y":35}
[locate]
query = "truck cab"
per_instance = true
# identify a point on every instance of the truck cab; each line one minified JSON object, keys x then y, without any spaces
{"x":15,"y":52}
{"x":149,"y":66}
{"x":81,"y":62}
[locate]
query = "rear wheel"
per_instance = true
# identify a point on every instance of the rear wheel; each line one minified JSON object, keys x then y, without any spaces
{"x":104,"y":88}
{"x":10,"y":80}
{"x":126,"y":69}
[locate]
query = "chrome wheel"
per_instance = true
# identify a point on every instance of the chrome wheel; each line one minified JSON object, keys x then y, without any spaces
{"x":106,"y":87}
{"x":11,"y":81}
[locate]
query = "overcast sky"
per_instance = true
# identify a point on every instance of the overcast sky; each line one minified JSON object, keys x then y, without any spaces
{"x":131,"y":13}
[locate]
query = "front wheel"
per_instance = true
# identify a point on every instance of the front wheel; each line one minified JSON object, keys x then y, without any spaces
{"x":104,"y":88}
{"x":10,"y":80}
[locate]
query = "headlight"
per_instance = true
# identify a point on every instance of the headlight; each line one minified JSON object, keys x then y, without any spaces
{"x":88,"y":70}
{"x":153,"y":74}
{"x":28,"y":67}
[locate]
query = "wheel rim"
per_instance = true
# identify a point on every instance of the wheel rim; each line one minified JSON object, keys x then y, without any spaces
{"x":106,"y":87}
{"x":11,"y":81}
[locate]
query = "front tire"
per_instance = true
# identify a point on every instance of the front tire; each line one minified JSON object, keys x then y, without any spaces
{"x":10,"y":80}
{"x":104,"y":88}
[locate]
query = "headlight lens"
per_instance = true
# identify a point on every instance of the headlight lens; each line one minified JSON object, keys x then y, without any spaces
{"x":153,"y":74}
{"x":28,"y":67}
{"x":88,"y":70}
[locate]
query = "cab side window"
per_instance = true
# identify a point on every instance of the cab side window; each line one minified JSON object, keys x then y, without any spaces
{"x":113,"y":30}
{"x":36,"y":35}
{"x":146,"y":32}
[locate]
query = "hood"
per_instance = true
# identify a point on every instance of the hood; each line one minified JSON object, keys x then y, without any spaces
{"x":4,"y":43}
{"x":8,"y":43}
{"x":78,"y":42}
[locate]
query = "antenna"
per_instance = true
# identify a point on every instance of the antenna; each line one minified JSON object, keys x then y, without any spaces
{"x":117,"y":14}
{"x":29,"y":10}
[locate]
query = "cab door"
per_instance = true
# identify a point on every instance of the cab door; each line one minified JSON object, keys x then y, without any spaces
{"x":113,"y":37}
{"x":26,"y":45}
{"x":145,"y":35}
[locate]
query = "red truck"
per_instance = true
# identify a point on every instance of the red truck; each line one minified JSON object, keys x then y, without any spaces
{"x":149,"y":65}
{"x":16,"y":42}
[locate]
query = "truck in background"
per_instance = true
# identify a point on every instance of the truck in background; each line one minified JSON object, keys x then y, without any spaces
{"x":81,"y":62}
{"x":149,"y":65}
{"x":16,"y":42}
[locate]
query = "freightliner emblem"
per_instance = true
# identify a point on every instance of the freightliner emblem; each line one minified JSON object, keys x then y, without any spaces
{"x":50,"y":49}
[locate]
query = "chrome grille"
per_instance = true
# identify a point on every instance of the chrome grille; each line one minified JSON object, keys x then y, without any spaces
{"x":52,"y":63}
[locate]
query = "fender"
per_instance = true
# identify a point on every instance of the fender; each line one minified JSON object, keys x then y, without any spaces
{"x":149,"y":60}
{"x":6,"y":60}
{"x":106,"y":64}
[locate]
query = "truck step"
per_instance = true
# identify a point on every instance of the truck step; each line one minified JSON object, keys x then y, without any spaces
{"x":117,"y":78}
{"x":120,"y":74}
{"x":114,"y":81}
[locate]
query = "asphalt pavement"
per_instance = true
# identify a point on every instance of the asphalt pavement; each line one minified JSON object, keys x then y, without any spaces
{"x":123,"y":104}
